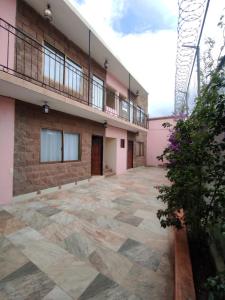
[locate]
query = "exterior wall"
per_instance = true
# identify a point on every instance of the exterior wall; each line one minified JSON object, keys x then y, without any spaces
{"x":121,"y":153}
{"x":110,"y":153}
{"x":7,"y":109}
{"x":138,"y":161}
{"x":29,"y":174}
{"x":7,"y":13}
{"x":157,"y":139}
{"x":30,"y":22}
{"x":116,"y":85}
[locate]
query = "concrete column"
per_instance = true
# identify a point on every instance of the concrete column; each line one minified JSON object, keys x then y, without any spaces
{"x":7,"y":117}
{"x":7,"y":105}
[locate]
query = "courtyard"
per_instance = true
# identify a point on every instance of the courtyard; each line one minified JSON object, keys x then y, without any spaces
{"x":99,"y":240}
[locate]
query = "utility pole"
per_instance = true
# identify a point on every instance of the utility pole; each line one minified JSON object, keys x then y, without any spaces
{"x":197,"y":49}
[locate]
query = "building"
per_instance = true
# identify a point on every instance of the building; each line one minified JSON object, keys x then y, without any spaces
{"x":69,"y":109}
{"x":157,"y":139}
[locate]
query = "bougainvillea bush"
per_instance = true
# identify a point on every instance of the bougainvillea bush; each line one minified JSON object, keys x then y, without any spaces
{"x":196,"y":163}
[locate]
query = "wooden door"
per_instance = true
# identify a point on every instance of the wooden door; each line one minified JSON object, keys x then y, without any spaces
{"x":130,"y":150}
{"x":96,"y":155}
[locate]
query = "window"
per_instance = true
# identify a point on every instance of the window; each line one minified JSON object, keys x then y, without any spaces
{"x":60,"y":70}
{"x":73,"y":76}
{"x":51,"y":145}
{"x":140,"y":149}
{"x":125,"y":106}
{"x":97,"y":92}
{"x":57,"y":146}
{"x":122,"y":143}
{"x":53,"y":64}
{"x":140,"y":114}
{"x":71,"y":146}
{"x":131,"y":111}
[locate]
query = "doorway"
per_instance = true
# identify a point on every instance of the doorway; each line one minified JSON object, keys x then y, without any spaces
{"x":96,"y":155}
{"x":130,"y":151}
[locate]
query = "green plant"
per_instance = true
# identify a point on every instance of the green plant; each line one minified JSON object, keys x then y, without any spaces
{"x":196,"y":163}
{"x":216,"y":287}
{"x":195,"y":160}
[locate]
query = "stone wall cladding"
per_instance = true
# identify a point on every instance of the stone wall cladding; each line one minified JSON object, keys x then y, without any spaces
{"x":29,"y":174}
{"x":36,"y":27}
{"x":138,"y":161}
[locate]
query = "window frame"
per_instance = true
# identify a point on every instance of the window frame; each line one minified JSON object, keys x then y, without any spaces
{"x":80,"y":92}
{"x":141,"y":149}
{"x":103,"y":90}
{"x":62,"y":148}
{"x":48,"y":46}
{"x":79,"y":146}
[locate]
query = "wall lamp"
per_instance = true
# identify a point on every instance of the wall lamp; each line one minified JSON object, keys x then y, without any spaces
{"x":106,"y":64}
{"x":137,"y":92}
{"x":48,"y":13}
{"x":137,"y":133}
{"x":105,"y":124}
{"x":45,"y":108}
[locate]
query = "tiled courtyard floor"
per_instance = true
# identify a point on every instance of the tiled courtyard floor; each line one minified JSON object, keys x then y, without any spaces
{"x":97,"y":241}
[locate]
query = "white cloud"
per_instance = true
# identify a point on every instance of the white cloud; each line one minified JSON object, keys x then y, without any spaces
{"x":150,"y":56}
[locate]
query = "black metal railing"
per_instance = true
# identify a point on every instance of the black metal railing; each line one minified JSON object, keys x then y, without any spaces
{"x":45,"y":65}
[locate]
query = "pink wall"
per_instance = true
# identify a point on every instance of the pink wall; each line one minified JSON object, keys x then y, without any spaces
{"x":7,"y":107}
{"x":157,"y":139}
{"x":121,"y":153}
{"x":116,"y":85}
{"x":7,"y":13}
{"x":7,"y":115}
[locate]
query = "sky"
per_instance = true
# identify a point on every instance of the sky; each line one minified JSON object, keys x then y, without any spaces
{"x":143,"y":34}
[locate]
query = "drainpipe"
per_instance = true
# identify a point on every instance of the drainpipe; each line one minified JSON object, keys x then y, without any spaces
{"x":89,"y":64}
{"x":129,"y":96}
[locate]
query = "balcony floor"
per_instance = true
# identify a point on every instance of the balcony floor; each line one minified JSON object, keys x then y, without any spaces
{"x":100,"y":240}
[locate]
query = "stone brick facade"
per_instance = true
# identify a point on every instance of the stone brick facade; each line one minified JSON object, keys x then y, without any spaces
{"x":29,"y":174}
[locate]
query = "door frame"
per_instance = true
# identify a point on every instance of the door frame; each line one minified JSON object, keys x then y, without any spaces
{"x":130,"y":141}
{"x":100,"y":138}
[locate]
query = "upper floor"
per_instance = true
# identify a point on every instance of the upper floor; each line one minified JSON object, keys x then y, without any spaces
{"x":68,"y":58}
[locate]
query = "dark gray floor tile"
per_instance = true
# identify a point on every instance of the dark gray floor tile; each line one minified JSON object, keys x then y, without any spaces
{"x":141,"y":254}
{"x":27,"y":282}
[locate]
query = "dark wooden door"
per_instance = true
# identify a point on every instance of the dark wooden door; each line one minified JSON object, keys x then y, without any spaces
{"x":130,"y":150}
{"x":96,"y":155}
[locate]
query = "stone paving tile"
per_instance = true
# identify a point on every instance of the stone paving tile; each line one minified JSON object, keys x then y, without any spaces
{"x":111,"y":264}
{"x":103,"y":288}
{"x":130,"y":219}
{"x":79,"y":245}
{"x":100,"y":240}
{"x":141,"y":254}
{"x":10,"y":258}
{"x":27,"y":282}
{"x":57,"y":294}
{"x":48,"y":211}
{"x":146,"y":284}
{"x":74,"y":278}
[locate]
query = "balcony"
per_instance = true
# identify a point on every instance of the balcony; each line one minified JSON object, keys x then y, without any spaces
{"x":49,"y":68}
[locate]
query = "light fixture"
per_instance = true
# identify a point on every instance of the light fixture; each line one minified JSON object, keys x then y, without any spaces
{"x":48,"y":13}
{"x":105,"y":125}
{"x":137,"y":92}
{"x":106,"y":64}
{"x":45,"y":108}
{"x":137,"y":133}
